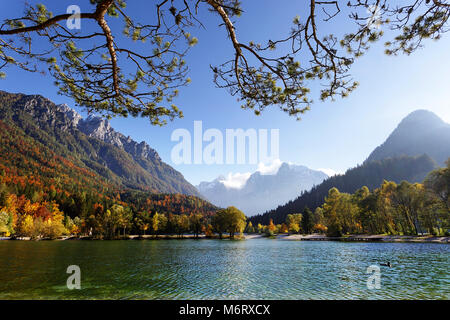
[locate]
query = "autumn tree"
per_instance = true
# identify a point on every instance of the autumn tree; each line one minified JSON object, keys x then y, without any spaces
{"x":283,"y":228}
{"x":230,"y":220}
{"x":196,"y":223}
{"x":136,"y":69}
{"x":142,"y":221}
{"x":271,"y":228}
{"x":260,"y":228}
{"x":236,"y":221}
{"x":340,"y":213}
{"x":155,"y":222}
{"x":112,"y":220}
{"x":180,"y":223}
{"x":250,"y":228}
{"x":293,"y":222}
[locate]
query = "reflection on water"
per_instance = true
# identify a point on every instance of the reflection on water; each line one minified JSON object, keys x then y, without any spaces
{"x":212,"y":269}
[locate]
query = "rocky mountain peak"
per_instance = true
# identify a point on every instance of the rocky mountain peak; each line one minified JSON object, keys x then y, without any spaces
{"x":101,"y":129}
{"x":73,"y":116}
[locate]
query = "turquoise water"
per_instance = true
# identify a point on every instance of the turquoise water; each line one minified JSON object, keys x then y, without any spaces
{"x":213,"y":269}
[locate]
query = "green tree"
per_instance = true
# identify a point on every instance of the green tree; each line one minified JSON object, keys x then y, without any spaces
{"x":318,"y":217}
{"x":196,"y":223}
{"x":250,"y":228}
{"x":115,"y":218}
{"x":408,"y":201}
{"x":230,"y":220}
{"x":184,"y":224}
{"x":3,"y":195}
{"x":162,"y":224}
{"x":438,"y":184}
{"x":236,"y":221}
{"x":219,"y":222}
{"x":368,"y":212}
{"x":340,"y":213}
{"x":279,"y":72}
{"x":307,"y":221}
{"x":6,"y":224}
{"x":125,"y":217}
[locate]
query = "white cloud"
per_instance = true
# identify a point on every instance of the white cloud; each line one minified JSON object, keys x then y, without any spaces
{"x":270,"y":168}
{"x":329,"y":172}
{"x":236,"y":180}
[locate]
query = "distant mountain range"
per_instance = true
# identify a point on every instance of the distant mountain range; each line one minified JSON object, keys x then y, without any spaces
{"x":263,"y":192}
{"x":91,"y":144}
{"x":419,"y":144}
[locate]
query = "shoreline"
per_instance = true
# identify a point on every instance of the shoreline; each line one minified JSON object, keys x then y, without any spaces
{"x":281,"y":237}
{"x":366,"y":238}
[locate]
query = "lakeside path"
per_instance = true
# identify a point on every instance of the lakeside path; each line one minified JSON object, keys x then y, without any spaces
{"x":365,"y":238}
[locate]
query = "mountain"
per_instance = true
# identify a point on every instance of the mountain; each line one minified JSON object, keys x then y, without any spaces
{"x":263,"y":192}
{"x":419,"y":144}
{"x":89,"y":144}
{"x":370,"y":174}
{"x":420,"y":132}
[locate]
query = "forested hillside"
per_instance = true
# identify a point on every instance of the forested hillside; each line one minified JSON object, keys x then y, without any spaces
{"x":55,"y":179}
{"x":420,"y":132}
{"x":371,"y":174}
{"x":91,"y":143}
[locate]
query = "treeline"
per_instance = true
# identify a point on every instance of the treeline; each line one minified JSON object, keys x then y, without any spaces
{"x":50,"y":212}
{"x":394,"y":209}
{"x":20,"y":217}
{"x":370,"y":174}
{"x":51,"y":215}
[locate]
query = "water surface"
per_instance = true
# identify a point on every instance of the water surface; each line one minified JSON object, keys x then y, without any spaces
{"x":213,"y":269}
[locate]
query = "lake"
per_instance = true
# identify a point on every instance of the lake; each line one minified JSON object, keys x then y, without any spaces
{"x":214,"y":269}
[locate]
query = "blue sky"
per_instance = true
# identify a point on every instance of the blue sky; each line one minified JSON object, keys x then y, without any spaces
{"x":335,"y":135}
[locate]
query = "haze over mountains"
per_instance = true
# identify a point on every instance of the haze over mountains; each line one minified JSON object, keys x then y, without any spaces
{"x":419,"y":144}
{"x":262,"y":191}
{"x":421,"y":132}
{"x":92,"y":143}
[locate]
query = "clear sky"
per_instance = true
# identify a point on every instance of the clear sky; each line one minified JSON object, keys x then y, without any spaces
{"x":333,"y":135}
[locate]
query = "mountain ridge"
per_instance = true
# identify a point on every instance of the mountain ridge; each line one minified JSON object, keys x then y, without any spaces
{"x":262,"y":191}
{"x":420,"y":132}
{"x":96,"y":144}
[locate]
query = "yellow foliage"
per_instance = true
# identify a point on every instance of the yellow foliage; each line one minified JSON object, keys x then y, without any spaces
{"x":27,"y":226}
